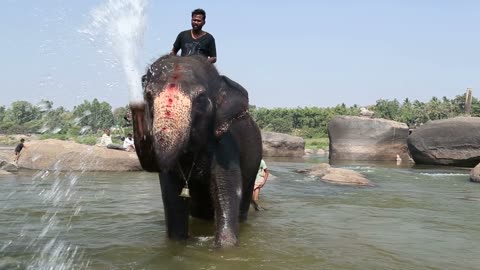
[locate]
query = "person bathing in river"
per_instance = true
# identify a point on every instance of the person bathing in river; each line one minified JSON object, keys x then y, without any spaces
{"x":260,"y":181}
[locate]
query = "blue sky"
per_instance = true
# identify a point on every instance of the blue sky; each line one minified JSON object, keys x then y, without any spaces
{"x":285,"y":53}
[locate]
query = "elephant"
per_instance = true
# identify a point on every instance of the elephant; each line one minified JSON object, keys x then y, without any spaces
{"x":193,"y":127}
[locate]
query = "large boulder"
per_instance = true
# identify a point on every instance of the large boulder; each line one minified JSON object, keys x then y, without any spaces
{"x":454,"y":142}
{"x":337,"y":175}
{"x":282,"y":145}
{"x":70,"y":156}
{"x":475,"y":174}
{"x":361,"y":138}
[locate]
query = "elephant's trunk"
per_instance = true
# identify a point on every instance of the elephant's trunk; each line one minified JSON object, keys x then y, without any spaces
{"x":171,"y":124}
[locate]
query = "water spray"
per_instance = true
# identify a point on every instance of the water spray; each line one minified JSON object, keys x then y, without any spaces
{"x":121,"y":26}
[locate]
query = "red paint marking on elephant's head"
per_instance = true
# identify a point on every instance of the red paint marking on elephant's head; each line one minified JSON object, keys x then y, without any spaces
{"x":171,"y":116}
{"x":176,"y":72}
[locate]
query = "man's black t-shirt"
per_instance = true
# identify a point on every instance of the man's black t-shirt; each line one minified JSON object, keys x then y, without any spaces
{"x":19,"y":148}
{"x":204,"y":45}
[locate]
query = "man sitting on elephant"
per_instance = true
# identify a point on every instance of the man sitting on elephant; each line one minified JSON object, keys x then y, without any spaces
{"x":196,"y":41}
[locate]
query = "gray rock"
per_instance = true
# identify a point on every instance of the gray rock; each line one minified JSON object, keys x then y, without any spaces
{"x":70,"y":156}
{"x":337,"y":175}
{"x":309,"y":152}
{"x":282,"y":145}
{"x":454,"y":142}
{"x":360,"y":138}
{"x":475,"y":174}
{"x":318,"y":152}
{"x":8,"y":166}
{"x":2,"y":172}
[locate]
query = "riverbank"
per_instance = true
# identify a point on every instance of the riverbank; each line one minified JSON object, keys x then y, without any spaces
{"x":60,"y":155}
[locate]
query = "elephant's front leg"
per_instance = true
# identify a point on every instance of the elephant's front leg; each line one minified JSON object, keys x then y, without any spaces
{"x":227,"y":193}
{"x":175,"y":207}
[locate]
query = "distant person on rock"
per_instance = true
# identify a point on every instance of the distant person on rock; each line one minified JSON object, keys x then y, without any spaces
{"x":18,"y":151}
{"x":260,"y":181}
{"x":106,"y":139}
{"x":196,"y":41}
{"x":128,"y":143}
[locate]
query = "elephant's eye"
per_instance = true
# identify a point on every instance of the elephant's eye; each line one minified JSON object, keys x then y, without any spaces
{"x":202,"y":103}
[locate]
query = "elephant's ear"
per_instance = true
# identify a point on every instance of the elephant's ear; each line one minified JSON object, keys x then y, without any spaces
{"x":142,"y":136}
{"x":231,"y":105}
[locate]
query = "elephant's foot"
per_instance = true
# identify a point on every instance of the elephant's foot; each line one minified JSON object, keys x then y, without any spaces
{"x":226,"y":239}
{"x":177,"y":235}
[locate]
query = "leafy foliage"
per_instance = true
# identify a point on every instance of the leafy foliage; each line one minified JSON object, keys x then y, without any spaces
{"x":95,"y":115}
{"x":88,"y":120}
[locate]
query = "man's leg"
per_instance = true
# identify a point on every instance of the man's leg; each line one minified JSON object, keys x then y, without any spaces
{"x":255,"y":195}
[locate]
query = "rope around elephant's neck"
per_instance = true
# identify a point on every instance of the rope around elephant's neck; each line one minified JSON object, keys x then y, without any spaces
{"x":185,"y":191}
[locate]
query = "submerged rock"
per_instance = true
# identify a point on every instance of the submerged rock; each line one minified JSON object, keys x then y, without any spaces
{"x":70,"y":156}
{"x":7,"y":166}
{"x":475,"y":174}
{"x":2,"y":172}
{"x":337,"y":175}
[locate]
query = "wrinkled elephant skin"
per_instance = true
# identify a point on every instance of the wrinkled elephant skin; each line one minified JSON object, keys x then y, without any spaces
{"x":194,"y":127}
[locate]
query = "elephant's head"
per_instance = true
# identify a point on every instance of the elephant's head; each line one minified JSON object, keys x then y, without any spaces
{"x":186,"y":102}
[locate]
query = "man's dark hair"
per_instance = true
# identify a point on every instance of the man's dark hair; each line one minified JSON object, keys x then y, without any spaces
{"x":22,"y":140}
{"x":199,"y":11}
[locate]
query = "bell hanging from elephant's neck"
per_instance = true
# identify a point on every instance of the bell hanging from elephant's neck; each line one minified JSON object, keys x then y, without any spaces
{"x":185,"y":192}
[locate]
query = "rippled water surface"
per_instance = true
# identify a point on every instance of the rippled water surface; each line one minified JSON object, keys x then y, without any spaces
{"x":412,"y":218}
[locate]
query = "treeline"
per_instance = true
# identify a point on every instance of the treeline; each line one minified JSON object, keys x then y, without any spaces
{"x":311,"y":122}
{"x":22,"y":117}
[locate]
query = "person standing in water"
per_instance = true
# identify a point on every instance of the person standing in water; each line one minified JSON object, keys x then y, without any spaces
{"x":260,"y":181}
{"x":196,"y":41}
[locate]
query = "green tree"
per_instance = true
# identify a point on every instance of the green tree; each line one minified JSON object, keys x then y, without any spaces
{"x":387,"y":109}
{"x":93,"y":115}
{"x":20,"y":117}
{"x":57,"y":121}
{"x":21,"y":112}
{"x":406,"y":113}
{"x":119,"y":115}
{"x":2,"y":113}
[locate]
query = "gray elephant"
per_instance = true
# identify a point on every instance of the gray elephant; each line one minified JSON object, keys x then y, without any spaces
{"x":195,"y":130}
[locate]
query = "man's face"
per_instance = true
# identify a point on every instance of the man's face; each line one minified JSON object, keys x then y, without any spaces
{"x":197,"y":22}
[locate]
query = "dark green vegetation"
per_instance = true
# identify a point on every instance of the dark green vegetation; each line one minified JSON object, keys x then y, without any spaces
{"x":312,"y":122}
{"x":84,"y":124}
{"x":86,"y":121}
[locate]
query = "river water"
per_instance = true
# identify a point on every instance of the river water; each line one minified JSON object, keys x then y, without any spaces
{"x":412,"y":218}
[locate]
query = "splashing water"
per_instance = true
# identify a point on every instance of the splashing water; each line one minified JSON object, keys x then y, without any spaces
{"x":122,"y":24}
